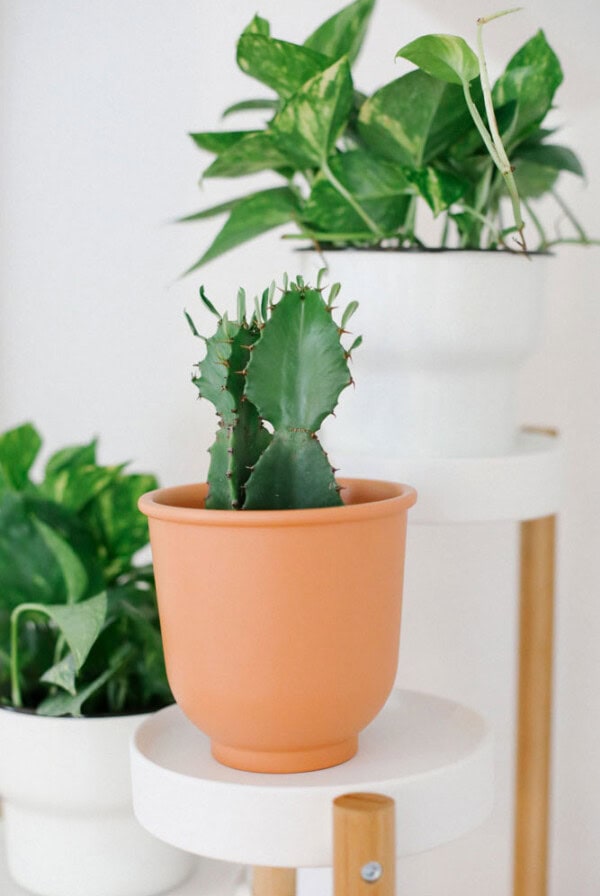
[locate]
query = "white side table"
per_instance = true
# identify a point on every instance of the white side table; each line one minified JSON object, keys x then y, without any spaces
{"x":433,"y":757}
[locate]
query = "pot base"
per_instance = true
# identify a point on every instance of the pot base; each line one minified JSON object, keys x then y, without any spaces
{"x":288,"y":761}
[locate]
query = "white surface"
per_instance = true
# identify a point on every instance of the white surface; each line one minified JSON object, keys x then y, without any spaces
{"x":68,"y":819}
{"x":207,"y":878}
{"x":434,"y":757}
{"x":96,"y":101}
{"x":522,"y":484}
{"x":445,"y":335}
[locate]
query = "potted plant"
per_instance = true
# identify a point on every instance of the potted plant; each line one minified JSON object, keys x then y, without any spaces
{"x":386,"y":185}
{"x":279,"y":587}
{"x":80,"y":663}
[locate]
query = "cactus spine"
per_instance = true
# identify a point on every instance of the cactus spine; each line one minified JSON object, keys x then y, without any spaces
{"x":287,"y":366}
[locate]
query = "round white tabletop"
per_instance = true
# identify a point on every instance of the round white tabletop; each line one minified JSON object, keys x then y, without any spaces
{"x":522,"y":485}
{"x":432,"y":756}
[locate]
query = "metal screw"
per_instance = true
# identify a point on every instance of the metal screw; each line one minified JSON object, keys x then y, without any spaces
{"x":371,"y":872}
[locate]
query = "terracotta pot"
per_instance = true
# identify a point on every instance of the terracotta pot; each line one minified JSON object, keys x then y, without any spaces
{"x":281,"y":628}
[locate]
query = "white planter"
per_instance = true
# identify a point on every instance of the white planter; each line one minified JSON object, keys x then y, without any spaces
{"x":68,"y":818}
{"x":445,"y":334}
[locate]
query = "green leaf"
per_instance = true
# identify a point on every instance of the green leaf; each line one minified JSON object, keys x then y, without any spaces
{"x":413,"y":119}
{"x":534,"y":180}
{"x":531,"y":79}
{"x":62,"y":674}
{"x":80,"y":624}
{"x":73,"y":528}
{"x":71,"y":457}
{"x":559,"y":158}
{"x":208,"y":304}
{"x":117,"y":523}
{"x":250,"y":217}
{"x":75,"y":486}
{"x":249,"y":106}
{"x":302,"y":344}
{"x":293,"y":472}
{"x":258,"y":25}
{"x":350,"y":309}
{"x":29,"y":571}
{"x":19,"y":448}
{"x":438,"y":188}
{"x":283,"y":66}
{"x":443,"y":56}
{"x":309,"y":124}
{"x":344,"y":32}
{"x":379,"y":186}
{"x":71,"y":567}
{"x":256,"y":151}
{"x":212,"y":211}
{"x":68,"y":705}
{"x":219,"y":141}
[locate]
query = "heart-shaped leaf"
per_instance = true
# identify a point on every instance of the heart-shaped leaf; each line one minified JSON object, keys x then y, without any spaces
{"x":344,"y":32}
{"x":283,"y":66}
{"x":19,"y":448}
{"x":443,"y":56}
{"x":309,"y":124}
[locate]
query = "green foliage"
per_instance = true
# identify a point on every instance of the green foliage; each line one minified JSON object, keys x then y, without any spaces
{"x":286,"y":367}
{"x":78,"y":617}
{"x":358,"y":170}
{"x":443,"y":56}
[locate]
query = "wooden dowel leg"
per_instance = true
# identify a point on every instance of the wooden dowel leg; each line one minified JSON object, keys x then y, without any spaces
{"x":534,"y":707}
{"x":364,"y":845}
{"x":273,"y":881}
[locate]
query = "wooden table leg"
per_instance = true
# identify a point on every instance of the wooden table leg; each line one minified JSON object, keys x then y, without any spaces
{"x":534,"y":707}
{"x":273,"y":881}
{"x":364,"y":845}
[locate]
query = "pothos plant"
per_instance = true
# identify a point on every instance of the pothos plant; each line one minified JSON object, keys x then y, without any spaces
{"x":354,"y":170}
{"x":79,"y":630}
{"x":274,"y":375}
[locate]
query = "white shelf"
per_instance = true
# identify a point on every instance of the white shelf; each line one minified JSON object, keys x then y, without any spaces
{"x":522,"y":485}
{"x":434,"y":757}
{"x":209,"y":879}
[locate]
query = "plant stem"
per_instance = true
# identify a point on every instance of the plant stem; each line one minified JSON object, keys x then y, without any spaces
{"x":483,"y":20}
{"x":15,"y":688}
{"x":538,"y":226}
{"x":583,"y":237}
{"x":502,"y":161}
{"x":489,"y":224}
{"x":480,"y":125}
{"x":341,"y":189}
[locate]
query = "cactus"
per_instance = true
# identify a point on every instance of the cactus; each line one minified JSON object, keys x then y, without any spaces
{"x":286,"y":366}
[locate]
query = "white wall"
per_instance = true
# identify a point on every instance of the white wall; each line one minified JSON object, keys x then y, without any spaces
{"x":96,"y":99}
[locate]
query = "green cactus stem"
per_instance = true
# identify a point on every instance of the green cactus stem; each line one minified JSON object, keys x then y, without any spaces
{"x":288,"y":367}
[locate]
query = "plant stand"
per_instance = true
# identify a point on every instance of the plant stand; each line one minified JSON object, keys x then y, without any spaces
{"x":524,"y":486}
{"x":432,"y":757}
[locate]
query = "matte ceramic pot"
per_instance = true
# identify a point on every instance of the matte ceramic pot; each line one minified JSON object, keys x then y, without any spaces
{"x":280,"y":628}
{"x":445,"y":335}
{"x":68,"y":816}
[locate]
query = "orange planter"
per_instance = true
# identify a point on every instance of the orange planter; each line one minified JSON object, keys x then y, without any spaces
{"x":281,"y":627}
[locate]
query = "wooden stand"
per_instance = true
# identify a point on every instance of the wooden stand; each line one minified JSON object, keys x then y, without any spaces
{"x":534,"y":707}
{"x":273,"y":881}
{"x":364,"y":851}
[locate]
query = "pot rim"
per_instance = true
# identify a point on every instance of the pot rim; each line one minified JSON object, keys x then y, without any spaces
{"x":426,"y":252}
{"x":389,"y":498}
{"x":26,"y":712}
